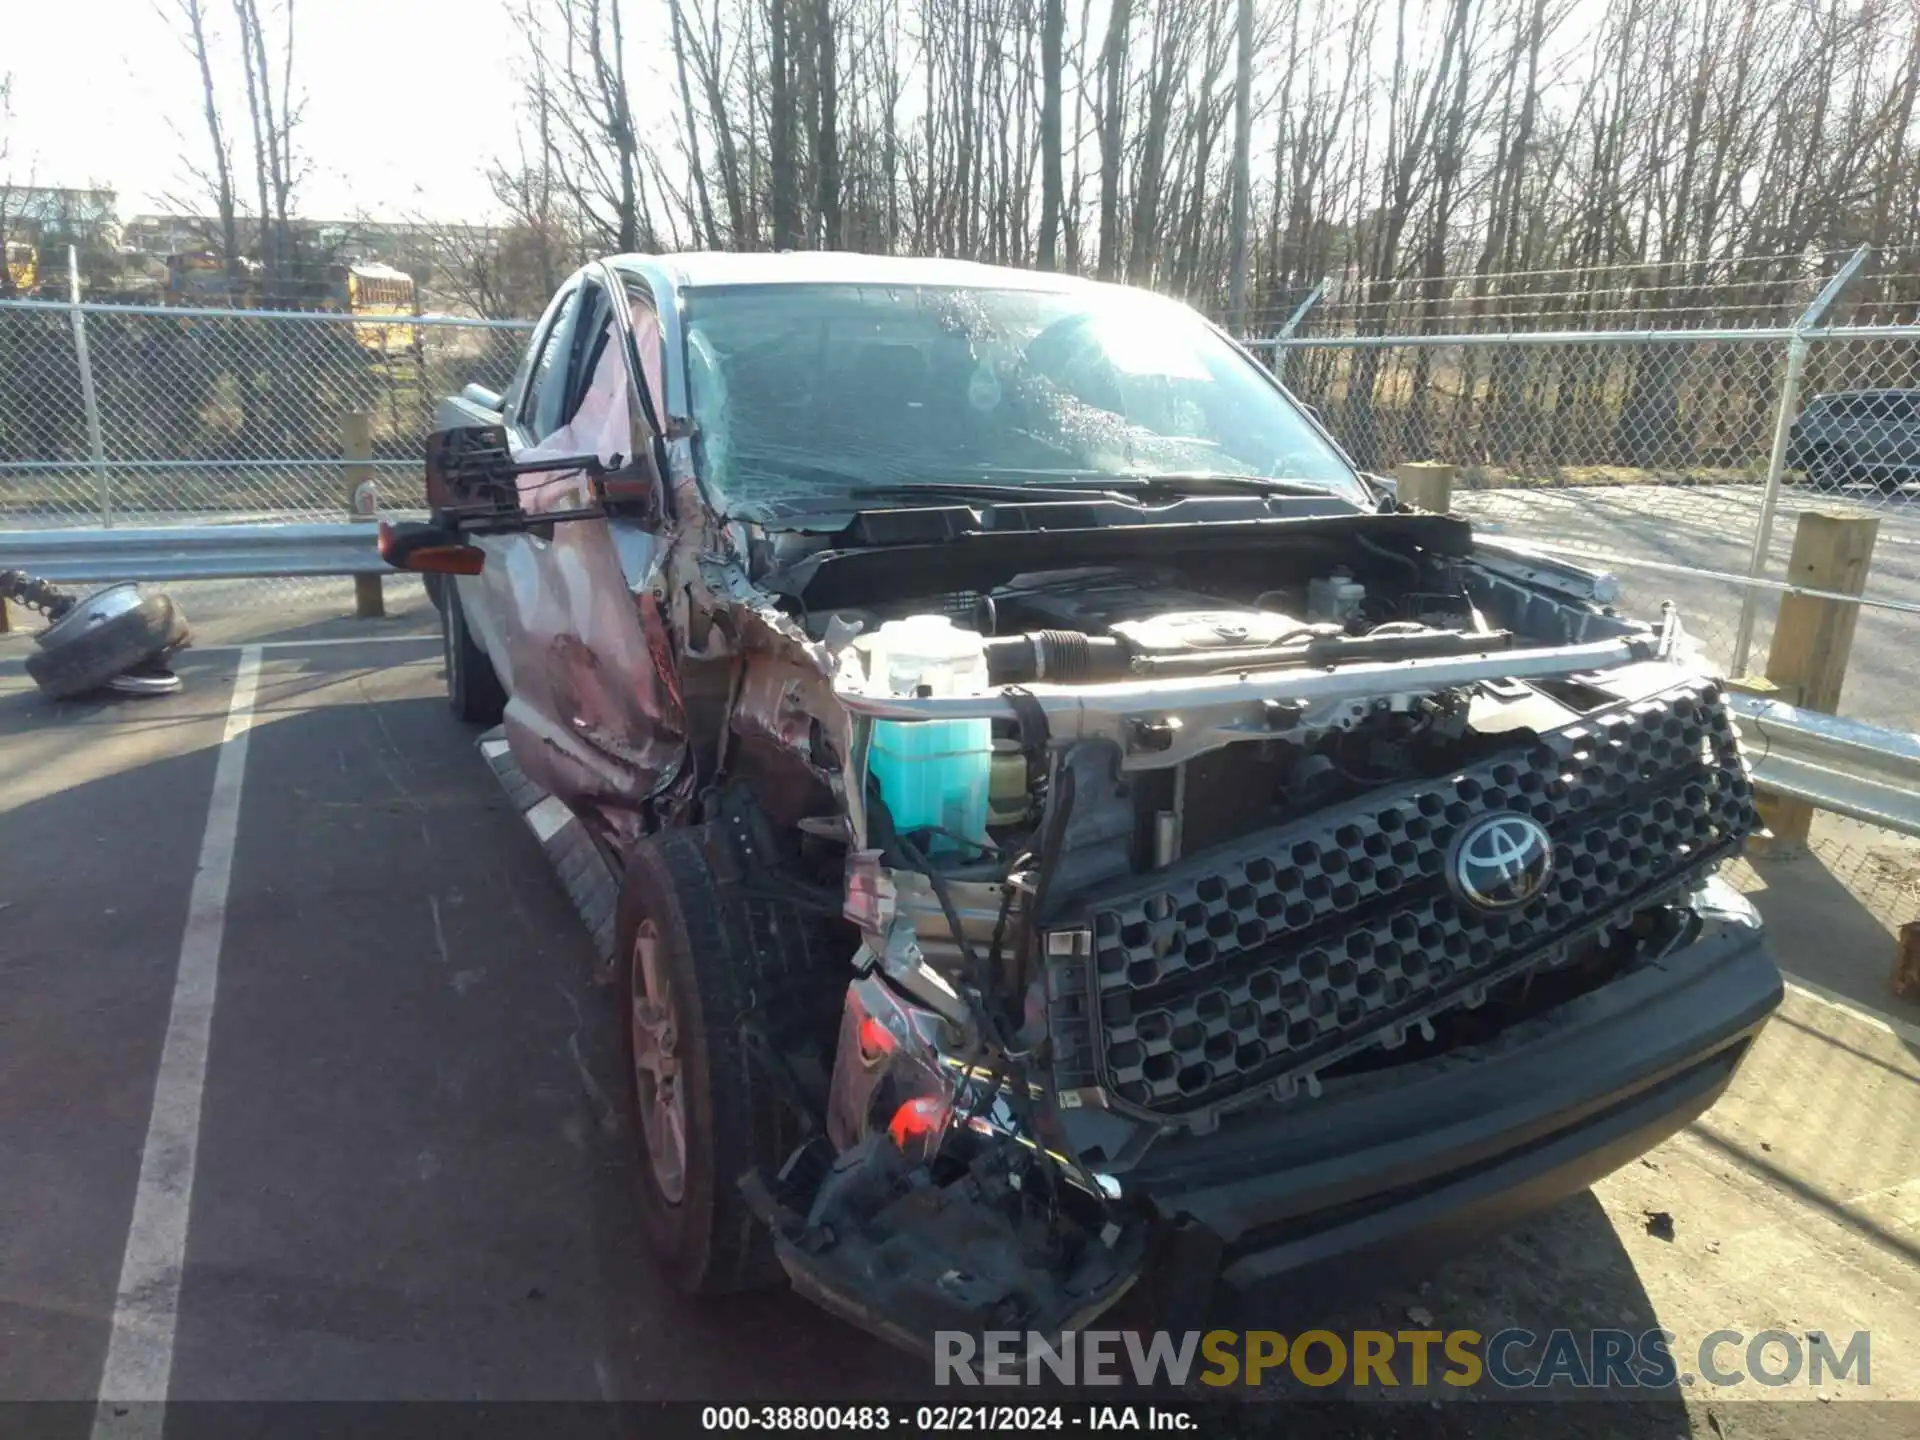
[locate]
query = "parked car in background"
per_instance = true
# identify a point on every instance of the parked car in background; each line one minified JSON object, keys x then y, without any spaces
{"x":1071,"y":825}
{"x":1858,"y":437}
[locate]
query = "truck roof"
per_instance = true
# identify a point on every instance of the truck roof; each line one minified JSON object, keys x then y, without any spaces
{"x":703,"y":269}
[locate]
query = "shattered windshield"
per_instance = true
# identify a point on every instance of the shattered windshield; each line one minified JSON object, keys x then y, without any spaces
{"x":805,"y":395}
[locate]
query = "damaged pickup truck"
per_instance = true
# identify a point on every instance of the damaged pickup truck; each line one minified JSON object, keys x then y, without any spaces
{"x":1067,"y":824}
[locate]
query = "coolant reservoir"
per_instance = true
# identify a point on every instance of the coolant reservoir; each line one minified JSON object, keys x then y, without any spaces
{"x":933,"y":774}
{"x":1336,"y":597}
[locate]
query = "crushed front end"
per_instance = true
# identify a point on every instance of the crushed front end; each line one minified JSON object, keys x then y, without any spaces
{"x":1254,"y":835}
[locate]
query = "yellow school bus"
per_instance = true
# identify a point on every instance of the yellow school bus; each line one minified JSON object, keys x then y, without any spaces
{"x":23,"y":267}
{"x":372,"y":291}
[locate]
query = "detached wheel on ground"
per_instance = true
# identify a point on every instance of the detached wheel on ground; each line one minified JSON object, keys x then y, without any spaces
{"x":699,"y":964}
{"x":108,"y":633}
{"x":474,"y":690}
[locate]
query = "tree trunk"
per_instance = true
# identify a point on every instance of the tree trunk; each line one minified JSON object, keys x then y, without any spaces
{"x":780,"y":128}
{"x":1242,"y":172}
{"x":1052,"y":27}
{"x":1112,"y":118}
{"x":678,"y":21}
{"x":826,"y":144}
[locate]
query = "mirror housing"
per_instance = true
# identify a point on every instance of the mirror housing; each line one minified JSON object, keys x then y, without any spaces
{"x":463,"y":459}
{"x":428,"y":549}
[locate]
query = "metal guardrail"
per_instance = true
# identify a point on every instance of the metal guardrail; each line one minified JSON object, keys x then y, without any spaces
{"x":1863,"y":771}
{"x":192,"y":552}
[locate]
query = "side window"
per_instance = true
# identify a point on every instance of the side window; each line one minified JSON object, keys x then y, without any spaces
{"x":650,"y":344}
{"x":585,"y":349}
{"x":549,"y":362}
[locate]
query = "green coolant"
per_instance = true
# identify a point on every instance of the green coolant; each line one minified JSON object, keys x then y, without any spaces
{"x":935,"y":773}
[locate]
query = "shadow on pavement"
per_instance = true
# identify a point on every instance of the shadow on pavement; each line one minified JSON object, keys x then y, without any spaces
{"x":1823,"y":931}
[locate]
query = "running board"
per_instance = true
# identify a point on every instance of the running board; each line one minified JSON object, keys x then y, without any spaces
{"x":589,"y":881}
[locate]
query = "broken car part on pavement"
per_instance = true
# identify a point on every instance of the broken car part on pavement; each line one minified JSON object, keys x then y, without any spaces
{"x":113,"y":639}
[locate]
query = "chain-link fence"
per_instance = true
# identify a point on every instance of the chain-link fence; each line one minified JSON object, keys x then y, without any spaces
{"x":160,"y":415}
{"x":1681,"y":457}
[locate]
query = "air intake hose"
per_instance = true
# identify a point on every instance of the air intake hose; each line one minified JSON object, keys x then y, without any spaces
{"x":1063,"y":656}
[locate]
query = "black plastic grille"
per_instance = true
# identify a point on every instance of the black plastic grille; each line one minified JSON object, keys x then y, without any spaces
{"x":1270,"y":959}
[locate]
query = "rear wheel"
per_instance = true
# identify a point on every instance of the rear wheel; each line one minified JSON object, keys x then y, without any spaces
{"x":701,"y":965}
{"x":473,"y":688}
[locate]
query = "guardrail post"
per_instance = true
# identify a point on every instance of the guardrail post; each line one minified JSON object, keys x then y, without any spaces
{"x":356,"y":449}
{"x":1426,"y":485}
{"x":1906,"y":962}
{"x":1813,"y":638}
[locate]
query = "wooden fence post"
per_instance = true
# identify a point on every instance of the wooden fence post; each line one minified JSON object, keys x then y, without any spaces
{"x":356,"y":448}
{"x":1813,"y":638}
{"x":1426,"y":486}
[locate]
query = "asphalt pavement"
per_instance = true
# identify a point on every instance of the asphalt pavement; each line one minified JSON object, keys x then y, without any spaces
{"x":411,"y":1177}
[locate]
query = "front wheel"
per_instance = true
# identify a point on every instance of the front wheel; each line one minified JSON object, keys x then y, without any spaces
{"x":474,"y":691}
{"x":700,"y":967}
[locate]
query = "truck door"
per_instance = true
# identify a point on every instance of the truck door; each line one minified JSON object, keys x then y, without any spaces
{"x":591,"y":716}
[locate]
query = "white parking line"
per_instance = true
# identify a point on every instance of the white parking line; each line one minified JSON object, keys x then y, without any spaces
{"x":140,"y":1354}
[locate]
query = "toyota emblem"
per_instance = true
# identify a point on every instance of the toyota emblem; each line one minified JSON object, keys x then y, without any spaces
{"x":1501,"y":861}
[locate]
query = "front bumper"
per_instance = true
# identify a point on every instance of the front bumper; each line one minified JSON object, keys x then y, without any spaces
{"x":1394,"y":1159}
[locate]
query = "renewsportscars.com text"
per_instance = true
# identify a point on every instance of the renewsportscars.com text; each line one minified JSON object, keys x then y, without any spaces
{"x":1511,"y":1359}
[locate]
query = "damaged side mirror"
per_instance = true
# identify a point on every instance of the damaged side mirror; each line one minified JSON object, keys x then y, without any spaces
{"x":473,"y":482}
{"x":465,"y":463}
{"x":428,"y":549}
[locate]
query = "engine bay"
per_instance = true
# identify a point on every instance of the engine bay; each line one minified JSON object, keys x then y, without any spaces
{"x":1138,"y":841}
{"x":1114,"y":625}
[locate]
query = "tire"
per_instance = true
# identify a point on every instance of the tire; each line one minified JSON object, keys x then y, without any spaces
{"x":93,"y":656}
{"x":725,"y":958}
{"x":474,"y":691}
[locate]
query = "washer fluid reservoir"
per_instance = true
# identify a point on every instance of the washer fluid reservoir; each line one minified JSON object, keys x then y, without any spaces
{"x":933,"y":774}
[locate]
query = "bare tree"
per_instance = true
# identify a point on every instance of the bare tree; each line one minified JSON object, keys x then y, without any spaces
{"x":215,"y":177}
{"x":1052,"y":34}
{"x":1390,"y":144}
{"x":1112,"y":126}
{"x":12,"y":196}
{"x":274,"y":113}
{"x":1242,"y":165}
{"x":781,"y":124}
{"x":593,"y":149}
